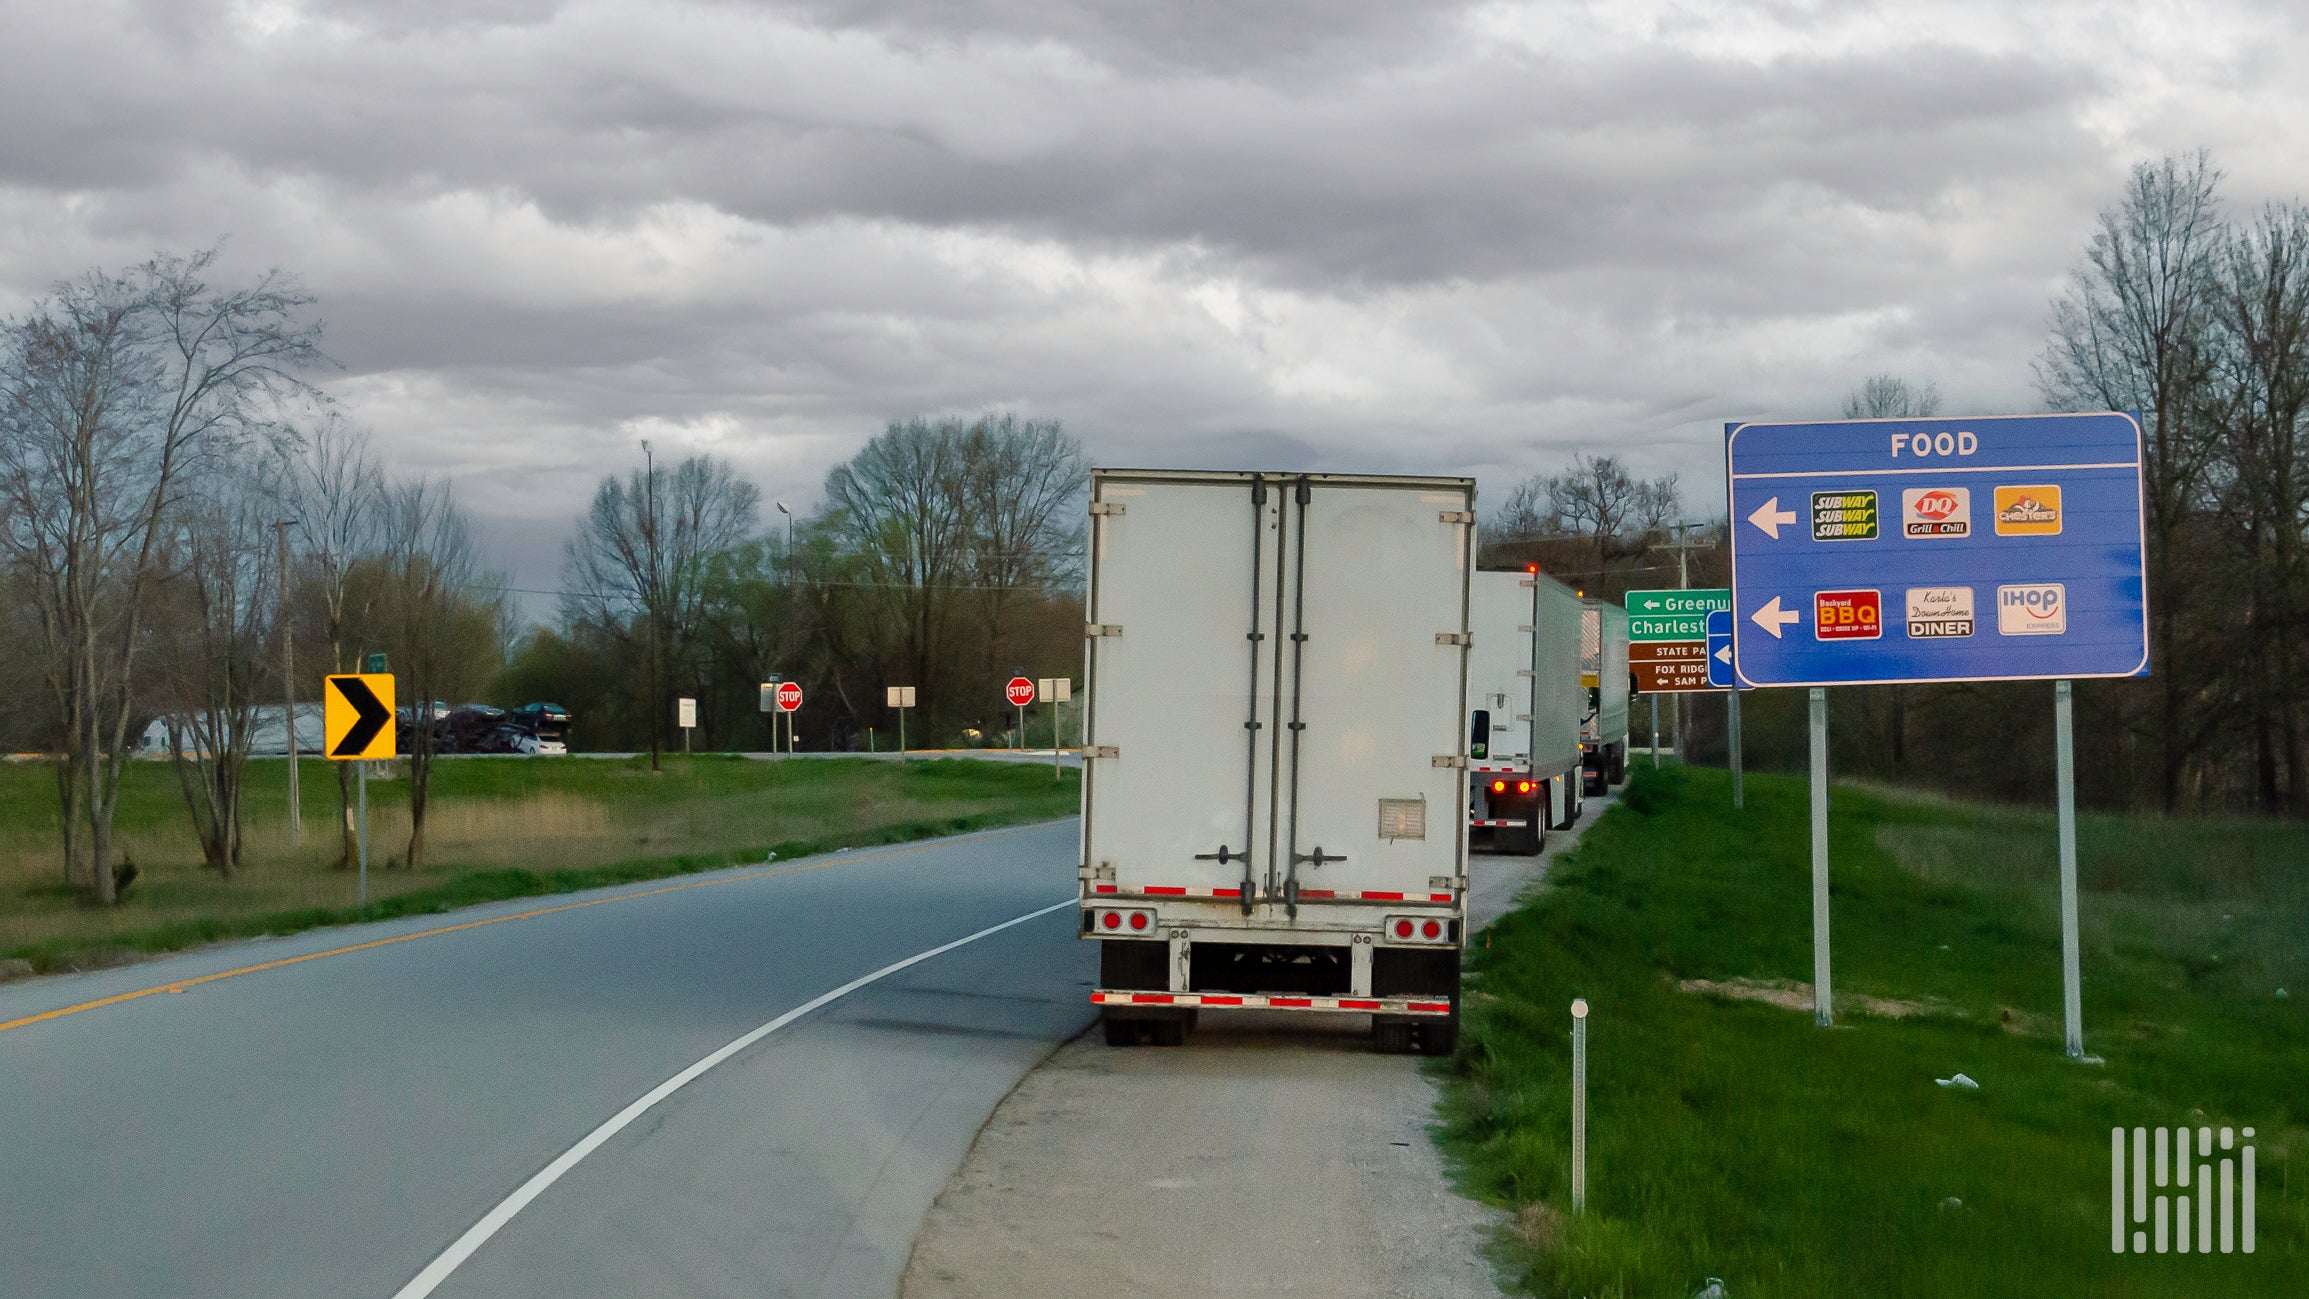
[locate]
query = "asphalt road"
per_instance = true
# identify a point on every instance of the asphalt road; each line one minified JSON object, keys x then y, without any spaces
{"x":331,"y":1126}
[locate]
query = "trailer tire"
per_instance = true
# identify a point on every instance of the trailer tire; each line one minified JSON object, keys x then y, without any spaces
{"x":1440,"y":1036}
{"x":1123,"y":1032}
{"x":1391,"y":1036}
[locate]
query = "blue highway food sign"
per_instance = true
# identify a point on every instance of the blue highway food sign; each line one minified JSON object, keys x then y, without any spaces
{"x":1991,"y":549}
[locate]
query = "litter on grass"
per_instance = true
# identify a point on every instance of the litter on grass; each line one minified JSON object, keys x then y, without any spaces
{"x":1958,"y":1081}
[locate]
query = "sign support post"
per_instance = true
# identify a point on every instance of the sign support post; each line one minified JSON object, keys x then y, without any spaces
{"x":1655,"y":731}
{"x":2071,"y":980}
{"x":1732,"y":728}
{"x":1823,"y":1004}
{"x":898,"y":699}
{"x":361,"y":838}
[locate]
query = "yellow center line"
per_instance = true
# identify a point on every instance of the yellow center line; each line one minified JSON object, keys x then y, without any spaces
{"x":182,"y":984}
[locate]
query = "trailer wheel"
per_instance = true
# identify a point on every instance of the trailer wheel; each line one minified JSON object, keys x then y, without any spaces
{"x":1168,"y":1031}
{"x":1439,"y":1036}
{"x":1391,"y":1036}
{"x":1123,"y":1032}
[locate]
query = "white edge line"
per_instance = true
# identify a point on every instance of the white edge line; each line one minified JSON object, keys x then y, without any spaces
{"x":450,"y":1259}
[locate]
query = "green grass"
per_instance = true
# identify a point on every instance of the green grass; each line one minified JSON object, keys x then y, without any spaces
{"x":496,"y":827}
{"x":1732,"y":1138}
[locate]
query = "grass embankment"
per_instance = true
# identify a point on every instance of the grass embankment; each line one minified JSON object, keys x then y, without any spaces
{"x":1729,"y":1137}
{"x":495,"y":827}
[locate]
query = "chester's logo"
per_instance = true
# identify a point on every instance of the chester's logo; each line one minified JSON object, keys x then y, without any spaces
{"x":2028,"y":511}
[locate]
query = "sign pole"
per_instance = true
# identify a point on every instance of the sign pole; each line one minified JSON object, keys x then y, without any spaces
{"x":1056,"y":710}
{"x":1655,"y":731}
{"x":901,"y":735}
{"x":1732,"y":729}
{"x":361,"y":779}
{"x":1022,"y":728}
{"x":1823,"y":1012}
{"x":2071,"y":978}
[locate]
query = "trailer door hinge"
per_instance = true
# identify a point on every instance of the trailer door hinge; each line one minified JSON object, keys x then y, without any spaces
{"x":1451,"y":760}
{"x":1457,"y":516}
{"x":1453,"y":638}
{"x":1102,"y":751}
{"x":1098,"y":508}
{"x":1102,"y":629}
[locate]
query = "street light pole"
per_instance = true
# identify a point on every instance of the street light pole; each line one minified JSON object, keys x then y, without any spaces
{"x":289,"y":688}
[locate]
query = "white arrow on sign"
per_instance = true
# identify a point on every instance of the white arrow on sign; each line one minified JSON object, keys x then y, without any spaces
{"x":1772,"y":617}
{"x":1651,"y":604}
{"x":1771,"y":518}
{"x":1724,"y":656}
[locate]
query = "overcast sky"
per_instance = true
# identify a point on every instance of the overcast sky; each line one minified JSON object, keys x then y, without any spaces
{"x":1345,"y":234}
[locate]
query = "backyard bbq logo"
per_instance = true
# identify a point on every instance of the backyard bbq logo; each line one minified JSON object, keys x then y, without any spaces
{"x":1936,"y":512}
{"x":2028,"y":511}
{"x":2211,"y":1208}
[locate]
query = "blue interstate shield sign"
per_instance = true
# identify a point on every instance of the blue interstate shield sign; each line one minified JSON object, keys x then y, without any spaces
{"x":1987,"y":549}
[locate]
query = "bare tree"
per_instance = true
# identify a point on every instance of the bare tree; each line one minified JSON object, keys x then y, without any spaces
{"x":1024,"y":486}
{"x":112,"y":391}
{"x":442,"y":619}
{"x":1888,"y":396}
{"x":898,"y":507}
{"x":644,"y":553}
{"x":2134,"y":332}
{"x":336,"y":490}
{"x":1599,"y":500}
{"x":213,"y":618}
{"x":2263,"y":493}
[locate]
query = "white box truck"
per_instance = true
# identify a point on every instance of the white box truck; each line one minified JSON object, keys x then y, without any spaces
{"x":1275,"y":749}
{"x":1603,"y":669}
{"x":1524,"y":707}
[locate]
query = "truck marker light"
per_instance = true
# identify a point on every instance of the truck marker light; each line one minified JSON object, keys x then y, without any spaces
{"x":1112,"y":920}
{"x":1138,"y":920}
{"x":1402,"y":929}
{"x":1431,"y":929}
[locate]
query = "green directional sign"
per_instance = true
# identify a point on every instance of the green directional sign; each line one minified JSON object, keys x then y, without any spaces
{"x":1673,"y":615}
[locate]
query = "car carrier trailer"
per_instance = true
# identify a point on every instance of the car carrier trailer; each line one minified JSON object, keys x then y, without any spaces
{"x":1275,"y":749}
{"x":1603,"y":741}
{"x":1524,"y":708}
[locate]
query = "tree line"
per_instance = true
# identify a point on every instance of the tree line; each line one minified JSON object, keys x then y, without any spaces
{"x":183,"y":505}
{"x":944,"y":555}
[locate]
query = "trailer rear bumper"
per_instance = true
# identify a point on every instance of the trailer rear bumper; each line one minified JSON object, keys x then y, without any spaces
{"x":1246,"y":1001}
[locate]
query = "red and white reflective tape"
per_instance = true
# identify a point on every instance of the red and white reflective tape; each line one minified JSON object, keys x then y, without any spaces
{"x":1494,"y":768}
{"x":1305,"y":895}
{"x":1249,"y":1001}
{"x":1497,"y":825}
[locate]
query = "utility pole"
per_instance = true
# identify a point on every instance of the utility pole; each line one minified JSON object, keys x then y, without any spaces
{"x":786,"y":631}
{"x":649,"y":591}
{"x":1683,"y":545}
{"x":289,"y":687}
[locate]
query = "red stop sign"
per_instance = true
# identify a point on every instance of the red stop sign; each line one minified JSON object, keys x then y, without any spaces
{"x":1020,"y":692}
{"x":789,"y":696}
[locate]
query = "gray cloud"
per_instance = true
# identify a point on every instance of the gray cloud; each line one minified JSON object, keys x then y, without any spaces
{"x":1443,"y":237}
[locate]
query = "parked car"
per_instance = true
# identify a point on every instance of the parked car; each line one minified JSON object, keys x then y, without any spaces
{"x":548,"y":722}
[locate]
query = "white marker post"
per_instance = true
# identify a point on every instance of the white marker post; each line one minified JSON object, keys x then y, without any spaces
{"x":2071,"y":978}
{"x":1578,"y":1104}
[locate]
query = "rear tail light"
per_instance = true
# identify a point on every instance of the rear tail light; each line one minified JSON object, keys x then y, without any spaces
{"x":1499,"y":787}
{"x":1417,"y":930}
{"x":1111,"y":920}
{"x":1523,"y":787}
{"x":1138,"y":922}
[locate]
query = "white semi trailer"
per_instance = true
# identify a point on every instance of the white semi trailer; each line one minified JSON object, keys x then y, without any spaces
{"x":1524,"y":707}
{"x":1275,"y":745}
{"x":1603,"y":741}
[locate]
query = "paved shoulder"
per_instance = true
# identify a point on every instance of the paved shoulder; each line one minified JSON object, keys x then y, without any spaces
{"x":1267,"y":1157}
